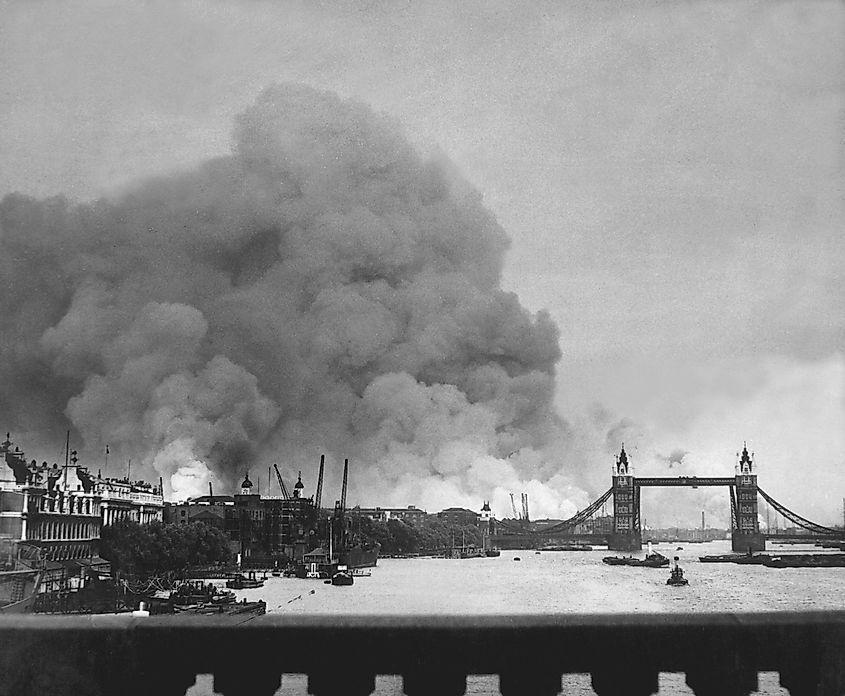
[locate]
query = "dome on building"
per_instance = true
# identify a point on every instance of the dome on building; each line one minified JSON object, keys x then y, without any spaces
{"x":247,"y":483}
{"x":299,"y":483}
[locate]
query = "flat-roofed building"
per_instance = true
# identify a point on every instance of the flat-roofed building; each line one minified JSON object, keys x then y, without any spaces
{"x":459,"y":516}
{"x":410,"y":515}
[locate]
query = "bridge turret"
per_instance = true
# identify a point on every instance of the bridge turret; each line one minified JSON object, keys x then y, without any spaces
{"x":745,"y":535}
{"x":622,"y":467}
{"x":746,"y":461}
{"x":626,"y":535}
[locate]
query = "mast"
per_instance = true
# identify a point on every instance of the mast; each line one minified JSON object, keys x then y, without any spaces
{"x":341,"y":540}
{"x":331,"y":534}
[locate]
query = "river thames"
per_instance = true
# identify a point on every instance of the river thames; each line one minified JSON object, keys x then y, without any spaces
{"x":550,"y":583}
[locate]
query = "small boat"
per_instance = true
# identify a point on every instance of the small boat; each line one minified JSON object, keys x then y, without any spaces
{"x":792,"y":560}
{"x":741,"y":558}
{"x":517,"y":558}
{"x":676,"y":576}
{"x":492,"y":553}
{"x":237,"y":609}
{"x":654,"y":560}
{"x":242,"y":582}
{"x":197,"y":592}
{"x":537,"y":553}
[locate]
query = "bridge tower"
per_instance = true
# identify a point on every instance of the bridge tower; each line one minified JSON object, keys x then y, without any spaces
{"x":626,"y":535}
{"x":745,"y":535}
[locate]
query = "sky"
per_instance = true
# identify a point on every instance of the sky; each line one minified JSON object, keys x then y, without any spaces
{"x":670,"y":176}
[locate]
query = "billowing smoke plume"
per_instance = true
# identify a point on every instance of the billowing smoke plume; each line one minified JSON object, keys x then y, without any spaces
{"x":322,"y":289}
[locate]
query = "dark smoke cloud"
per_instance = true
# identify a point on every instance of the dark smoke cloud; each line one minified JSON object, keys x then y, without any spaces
{"x":675,"y":457}
{"x":324,"y":288}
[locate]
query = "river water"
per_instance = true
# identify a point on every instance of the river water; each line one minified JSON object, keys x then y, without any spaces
{"x":554,"y":582}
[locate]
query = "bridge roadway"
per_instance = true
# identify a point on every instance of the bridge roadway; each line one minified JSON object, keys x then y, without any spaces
{"x":693,"y":481}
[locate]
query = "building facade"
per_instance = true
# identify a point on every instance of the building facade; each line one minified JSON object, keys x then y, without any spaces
{"x":214,"y":510}
{"x":410,"y":515}
{"x":56,"y":513}
{"x":54,"y":509}
{"x":459,"y":516}
{"x":122,"y":499}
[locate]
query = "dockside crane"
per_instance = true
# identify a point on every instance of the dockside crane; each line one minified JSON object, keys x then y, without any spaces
{"x":340,"y":505}
{"x":318,"y":497}
{"x":343,"y":490}
{"x":285,"y":493}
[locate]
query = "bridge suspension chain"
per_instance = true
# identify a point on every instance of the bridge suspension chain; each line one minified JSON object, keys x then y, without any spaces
{"x":797,"y":519}
{"x":582,"y":516}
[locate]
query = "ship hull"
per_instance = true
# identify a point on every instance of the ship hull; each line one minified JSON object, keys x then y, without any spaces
{"x":23,"y":601}
{"x":359,"y":557}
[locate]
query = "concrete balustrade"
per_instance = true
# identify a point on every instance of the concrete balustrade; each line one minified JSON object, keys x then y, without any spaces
{"x":624,"y":654}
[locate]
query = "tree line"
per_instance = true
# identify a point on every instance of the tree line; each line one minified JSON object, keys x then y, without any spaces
{"x":146,"y":550}
{"x":154,"y":549}
{"x":427,"y":536}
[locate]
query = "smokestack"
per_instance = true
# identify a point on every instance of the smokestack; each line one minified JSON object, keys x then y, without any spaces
{"x":210,"y":492}
{"x":702,"y":520}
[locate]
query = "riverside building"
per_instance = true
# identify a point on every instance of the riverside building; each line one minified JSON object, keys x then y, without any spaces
{"x":57,"y":512}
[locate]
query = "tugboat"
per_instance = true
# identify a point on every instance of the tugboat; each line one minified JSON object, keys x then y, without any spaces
{"x":676,"y":577}
{"x":342,"y":577}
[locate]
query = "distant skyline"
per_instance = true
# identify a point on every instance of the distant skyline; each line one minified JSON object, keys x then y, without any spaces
{"x":671,"y":177}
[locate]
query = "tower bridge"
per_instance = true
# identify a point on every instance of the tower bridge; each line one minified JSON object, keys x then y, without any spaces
{"x":625,"y":531}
